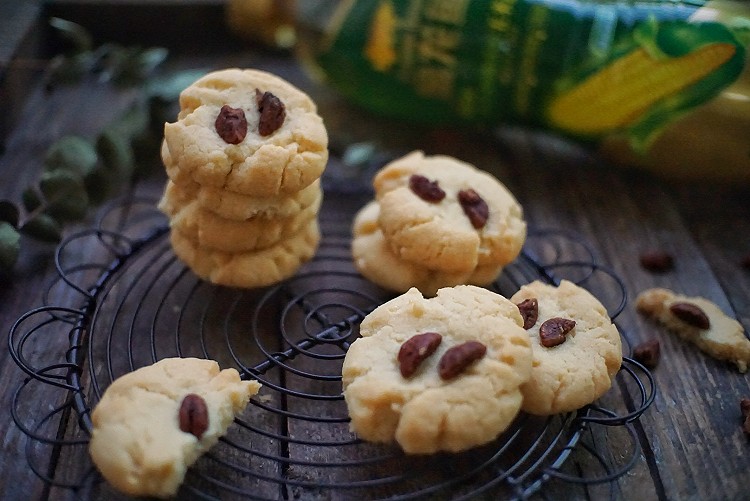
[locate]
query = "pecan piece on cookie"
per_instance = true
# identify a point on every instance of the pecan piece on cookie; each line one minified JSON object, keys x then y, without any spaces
{"x":193,"y":415}
{"x":415,"y":350}
{"x":231,"y":124}
{"x":474,"y":207}
{"x":458,"y":358}
{"x":529,"y":309}
{"x":553,"y":331}
{"x":691,"y":315}
{"x":272,"y":112}
{"x":425,"y":189}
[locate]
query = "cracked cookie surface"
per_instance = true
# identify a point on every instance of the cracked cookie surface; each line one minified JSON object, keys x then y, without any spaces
{"x":576,"y":372}
{"x":136,"y":441}
{"x":375,"y":260}
{"x":283,"y":162}
{"x":439,"y":234}
{"x":425,"y":413}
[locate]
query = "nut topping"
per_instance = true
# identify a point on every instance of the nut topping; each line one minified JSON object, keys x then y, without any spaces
{"x":425,"y":189}
{"x":416,"y":349}
{"x":231,"y":124}
{"x":647,"y":353}
{"x":690,"y":314}
{"x":474,"y":207}
{"x":657,"y":261}
{"x":272,"y":112}
{"x":193,"y":415}
{"x":458,"y":358}
{"x":529,"y":309}
{"x":552,"y":332}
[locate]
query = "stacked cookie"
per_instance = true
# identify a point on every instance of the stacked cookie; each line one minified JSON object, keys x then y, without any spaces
{"x":244,"y":161}
{"x":436,"y":222}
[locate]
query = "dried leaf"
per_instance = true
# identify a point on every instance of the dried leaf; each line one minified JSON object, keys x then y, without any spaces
{"x":73,"y":153}
{"x":10,"y":247}
{"x":9,"y":213}
{"x":65,"y":194}
{"x":43,"y":227}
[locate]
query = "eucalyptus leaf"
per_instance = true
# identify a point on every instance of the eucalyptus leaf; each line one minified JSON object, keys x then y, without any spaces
{"x":168,"y":87}
{"x":65,"y":194}
{"x":73,"y":153}
{"x":43,"y":227}
{"x":132,"y":123}
{"x":77,"y":35}
{"x":9,"y":213}
{"x":10,"y":246}
{"x":132,"y":65}
{"x":117,"y":156}
{"x":69,"y":70}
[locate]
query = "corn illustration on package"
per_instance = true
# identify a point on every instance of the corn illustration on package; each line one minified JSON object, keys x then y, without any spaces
{"x":591,"y":70}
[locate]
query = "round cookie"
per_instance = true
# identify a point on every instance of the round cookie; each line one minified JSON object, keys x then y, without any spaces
{"x":282,"y":162}
{"x":212,"y":231}
{"x":253,"y":268}
{"x":374,"y":259}
{"x":573,"y":374}
{"x":439,"y":234}
{"x":137,"y":442}
{"x":425,"y":413}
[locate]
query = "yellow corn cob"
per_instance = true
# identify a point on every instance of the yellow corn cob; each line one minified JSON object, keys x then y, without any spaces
{"x":619,"y":94}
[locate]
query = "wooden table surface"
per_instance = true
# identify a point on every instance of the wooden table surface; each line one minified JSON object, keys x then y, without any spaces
{"x":691,"y":443}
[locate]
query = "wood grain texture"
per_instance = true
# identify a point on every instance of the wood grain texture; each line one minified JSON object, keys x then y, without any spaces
{"x":692,"y":447}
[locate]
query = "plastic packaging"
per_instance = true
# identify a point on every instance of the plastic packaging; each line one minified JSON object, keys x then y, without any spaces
{"x":663,"y":84}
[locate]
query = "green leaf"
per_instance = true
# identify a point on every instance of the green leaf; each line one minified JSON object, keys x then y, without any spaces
{"x":73,"y":153}
{"x":131,"y":124}
{"x":10,"y":246}
{"x":43,"y":227}
{"x":117,"y":155}
{"x":65,"y":194}
{"x":132,"y":65}
{"x":168,"y":87}
{"x":9,"y":212}
{"x":77,"y":35}
{"x":99,"y":185}
{"x":69,"y":70}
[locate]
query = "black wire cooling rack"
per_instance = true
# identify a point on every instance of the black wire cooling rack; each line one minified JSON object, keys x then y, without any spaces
{"x":127,"y":302}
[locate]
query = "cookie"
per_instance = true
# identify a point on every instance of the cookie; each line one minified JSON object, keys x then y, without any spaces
{"x":212,"y":231}
{"x":137,"y":441}
{"x":426,"y":412}
{"x":259,"y":163}
{"x":231,"y":205}
{"x":579,"y":370}
{"x":699,"y":321}
{"x":456,"y":218}
{"x":375,"y":260}
{"x":253,"y":268}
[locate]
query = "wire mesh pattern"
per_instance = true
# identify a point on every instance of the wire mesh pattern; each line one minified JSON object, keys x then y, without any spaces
{"x":129,"y":302}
